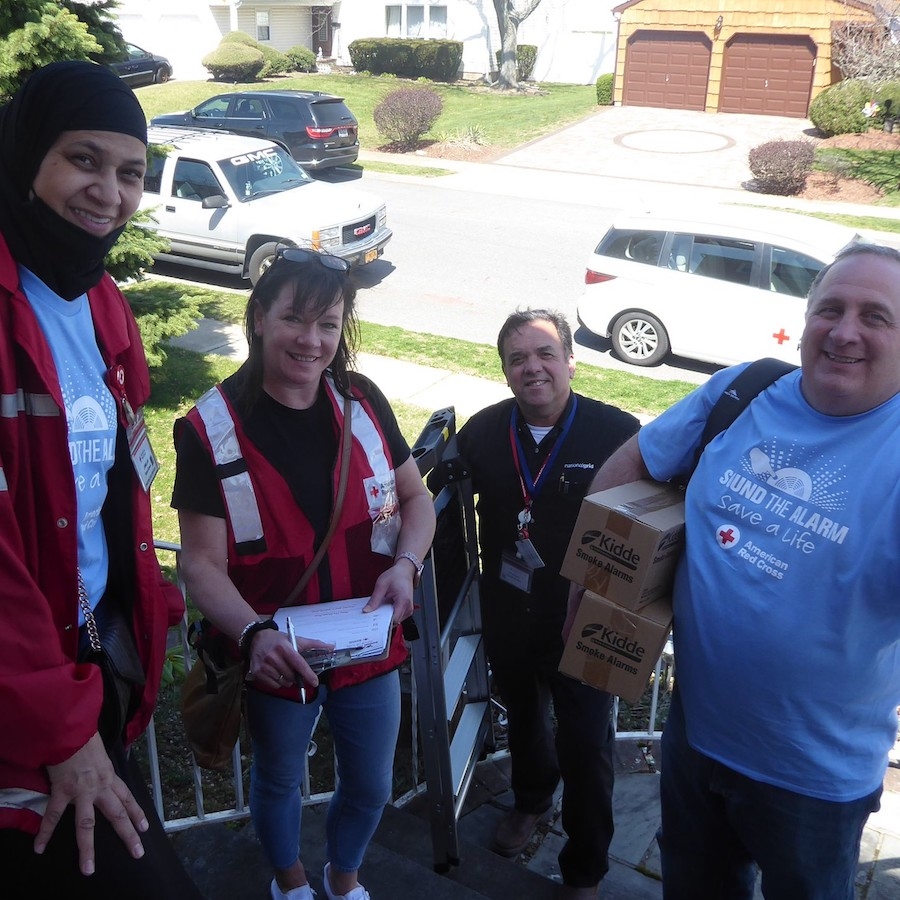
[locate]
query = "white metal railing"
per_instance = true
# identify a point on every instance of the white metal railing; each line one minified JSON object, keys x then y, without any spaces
{"x":239,"y":809}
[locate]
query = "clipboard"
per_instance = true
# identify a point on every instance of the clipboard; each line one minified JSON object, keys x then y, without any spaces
{"x":367,"y":636}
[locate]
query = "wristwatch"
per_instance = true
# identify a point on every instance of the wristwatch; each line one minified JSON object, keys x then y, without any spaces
{"x":418,"y":565}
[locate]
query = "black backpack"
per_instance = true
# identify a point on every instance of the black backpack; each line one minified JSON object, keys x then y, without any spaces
{"x":735,"y":398}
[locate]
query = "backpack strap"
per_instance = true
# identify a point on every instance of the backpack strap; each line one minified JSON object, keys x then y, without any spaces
{"x":735,"y":398}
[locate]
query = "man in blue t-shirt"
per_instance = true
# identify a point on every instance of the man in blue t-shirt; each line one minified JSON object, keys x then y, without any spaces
{"x":787,"y":624}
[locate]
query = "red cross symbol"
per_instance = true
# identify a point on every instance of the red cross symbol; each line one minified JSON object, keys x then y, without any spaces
{"x":374,"y":491}
{"x":781,"y":337}
{"x":726,"y":537}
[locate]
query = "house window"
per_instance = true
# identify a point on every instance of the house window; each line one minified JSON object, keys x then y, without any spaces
{"x":262,"y":25}
{"x":415,"y":21}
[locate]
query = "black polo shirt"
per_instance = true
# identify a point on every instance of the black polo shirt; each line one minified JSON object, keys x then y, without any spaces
{"x":597,"y":430}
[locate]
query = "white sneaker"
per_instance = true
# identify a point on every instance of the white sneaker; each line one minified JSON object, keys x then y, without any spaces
{"x":358,"y":893}
{"x":304,"y":892}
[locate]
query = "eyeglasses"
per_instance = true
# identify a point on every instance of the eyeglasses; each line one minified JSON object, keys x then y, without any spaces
{"x":302,"y":255}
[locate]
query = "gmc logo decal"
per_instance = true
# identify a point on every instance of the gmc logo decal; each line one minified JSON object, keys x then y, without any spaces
{"x":362,"y":230}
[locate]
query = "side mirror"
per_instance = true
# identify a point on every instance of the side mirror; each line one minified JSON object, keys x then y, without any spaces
{"x":215,"y":201}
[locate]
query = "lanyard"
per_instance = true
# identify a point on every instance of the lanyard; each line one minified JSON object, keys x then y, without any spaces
{"x":531,"y":487}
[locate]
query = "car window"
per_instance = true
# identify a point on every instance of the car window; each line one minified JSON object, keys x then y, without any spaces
{"x":215,"y":107}
{"x":791,"y":272}
{"x":194,"y":180}
{"x":263,"y":171}
{"x":136,"y":52}
{"x":716,"y":257}
{"x":284,"y":109}
{"x":331,"y":113}
{"x":153,"y":175}
{"x":640,"y":246}
{"x":249,"y":108}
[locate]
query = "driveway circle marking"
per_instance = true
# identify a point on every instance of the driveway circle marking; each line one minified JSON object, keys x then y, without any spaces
{"x":674,"y":141}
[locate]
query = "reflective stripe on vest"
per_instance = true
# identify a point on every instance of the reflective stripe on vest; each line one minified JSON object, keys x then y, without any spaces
{"x":3,"y":484}
{"x":30,"y":404}
{"x":380,"y":487}
{"x":240,"y":498}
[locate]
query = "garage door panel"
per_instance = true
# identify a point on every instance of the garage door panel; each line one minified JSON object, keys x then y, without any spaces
{"x":769,"y":74}
{"x":667,"y":69}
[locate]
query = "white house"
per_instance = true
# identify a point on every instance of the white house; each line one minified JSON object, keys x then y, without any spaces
{"x":575,"y":38}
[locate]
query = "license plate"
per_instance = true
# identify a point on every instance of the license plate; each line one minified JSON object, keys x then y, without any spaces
{"x":342,"y":132}
{"x":370,"y":255}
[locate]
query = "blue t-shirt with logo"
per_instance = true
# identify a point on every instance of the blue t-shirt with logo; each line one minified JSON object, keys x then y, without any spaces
{"x":90,"y":414}
{"x":787,"y":600}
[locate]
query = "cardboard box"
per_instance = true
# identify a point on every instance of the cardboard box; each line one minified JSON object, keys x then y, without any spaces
{"x":616,"y":649}
{"x":626,"y":542}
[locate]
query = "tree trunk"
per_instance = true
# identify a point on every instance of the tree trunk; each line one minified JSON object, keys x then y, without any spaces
{"x":508,"y":19}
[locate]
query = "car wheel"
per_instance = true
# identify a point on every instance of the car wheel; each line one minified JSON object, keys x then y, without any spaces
{"x":640,"y":339}
{"x":161,"y":75}
{"x":262,"y":258}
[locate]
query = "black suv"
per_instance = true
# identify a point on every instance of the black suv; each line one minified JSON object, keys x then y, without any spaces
{"x":317,"y":129}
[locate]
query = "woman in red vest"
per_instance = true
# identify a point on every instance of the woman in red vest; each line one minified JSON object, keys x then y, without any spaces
{"x":259,"y":465}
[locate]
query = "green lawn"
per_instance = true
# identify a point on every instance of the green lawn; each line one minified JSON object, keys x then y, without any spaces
{"x":505,"y":120}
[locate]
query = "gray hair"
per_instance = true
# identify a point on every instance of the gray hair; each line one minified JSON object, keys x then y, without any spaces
{"x":857,"y":249}
{"x":525,"y":316}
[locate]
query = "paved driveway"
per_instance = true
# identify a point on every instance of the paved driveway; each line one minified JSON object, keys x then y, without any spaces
{"x":669,"y":146}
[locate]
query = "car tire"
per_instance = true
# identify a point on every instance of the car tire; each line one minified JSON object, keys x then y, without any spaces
{"x":640,"y":339}
{"x":261,"y":259}
{"x":161,"y":75}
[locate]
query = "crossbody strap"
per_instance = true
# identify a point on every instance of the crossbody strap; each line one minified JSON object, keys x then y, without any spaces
{"x":346,"y":440}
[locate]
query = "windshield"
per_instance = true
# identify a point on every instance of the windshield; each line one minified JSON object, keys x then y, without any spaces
{"x":265,"y":171}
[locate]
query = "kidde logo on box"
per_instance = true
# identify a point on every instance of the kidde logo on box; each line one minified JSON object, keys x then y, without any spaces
{"x":615,"y":649}
{"x":626,"y":542}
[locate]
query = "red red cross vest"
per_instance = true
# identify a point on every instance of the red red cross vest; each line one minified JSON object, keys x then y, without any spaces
{"x":270,"y":540}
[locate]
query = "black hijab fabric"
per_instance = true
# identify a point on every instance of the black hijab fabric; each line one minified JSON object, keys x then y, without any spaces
{"x":65,"y":96}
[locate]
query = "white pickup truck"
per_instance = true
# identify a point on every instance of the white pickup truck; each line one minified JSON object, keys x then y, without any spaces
{"x":226,"y":202}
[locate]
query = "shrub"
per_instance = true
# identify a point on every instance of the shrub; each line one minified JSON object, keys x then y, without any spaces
{"x":404,"y":115}
{"x":526,"y":57}
{"x":300,"y":59}
{"x":234,"y":62}
{"x":437,"y":60}
{"x":605,"y":89}
{"x":839,"y":108}
{"x":275,"y":62}
{"x":781,"y":167}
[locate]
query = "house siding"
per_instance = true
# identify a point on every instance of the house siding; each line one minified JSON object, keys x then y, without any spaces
{"x":798,"y":18}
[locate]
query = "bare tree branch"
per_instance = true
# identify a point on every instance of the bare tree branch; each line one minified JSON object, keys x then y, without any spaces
{"x":869,"y":50}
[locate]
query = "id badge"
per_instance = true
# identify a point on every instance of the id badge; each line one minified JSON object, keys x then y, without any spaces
{"x":515,"y":572}
{"x":526,"y":552}
{"x":142,"y":456}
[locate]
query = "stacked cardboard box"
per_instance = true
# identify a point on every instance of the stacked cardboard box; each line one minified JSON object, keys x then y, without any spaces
{"x":623,"y":550}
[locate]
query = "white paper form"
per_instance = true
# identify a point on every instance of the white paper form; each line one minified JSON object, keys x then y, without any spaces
{"x":342,"y":623}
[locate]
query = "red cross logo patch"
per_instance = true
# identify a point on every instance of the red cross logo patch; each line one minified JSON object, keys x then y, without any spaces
{"x":727,"y":536}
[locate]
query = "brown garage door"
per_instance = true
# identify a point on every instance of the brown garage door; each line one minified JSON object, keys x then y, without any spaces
{"x":668,"y":69}
{"x":767,"y":74}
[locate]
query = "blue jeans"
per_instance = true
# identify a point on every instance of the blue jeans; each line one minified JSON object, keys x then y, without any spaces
{"x":364,"y":720}
{"x":718,"y":825}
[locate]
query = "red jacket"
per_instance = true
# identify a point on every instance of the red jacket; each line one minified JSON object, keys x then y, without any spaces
{"x":49,"y":704}
{"x":266,"y":561}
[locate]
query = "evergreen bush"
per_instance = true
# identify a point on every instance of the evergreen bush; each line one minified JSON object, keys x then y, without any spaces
{"x":435,"y":60}
{"x":404,"y":115}
{"x":605,"y":89}
{"x":839,"y":108}
{"x":235,"y":62}
{"x":781,"y":167}
{"x":300,"y":59}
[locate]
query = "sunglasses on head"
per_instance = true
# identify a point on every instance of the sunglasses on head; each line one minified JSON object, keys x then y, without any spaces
{"x":302,"y":256}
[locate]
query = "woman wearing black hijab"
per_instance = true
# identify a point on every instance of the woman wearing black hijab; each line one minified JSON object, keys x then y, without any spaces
{"x":80,"y":585}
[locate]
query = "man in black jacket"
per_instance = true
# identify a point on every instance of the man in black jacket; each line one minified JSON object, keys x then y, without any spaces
{"x":531,"y":458}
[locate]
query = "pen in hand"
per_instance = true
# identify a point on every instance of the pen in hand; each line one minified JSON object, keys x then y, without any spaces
{"x":293,"y":638}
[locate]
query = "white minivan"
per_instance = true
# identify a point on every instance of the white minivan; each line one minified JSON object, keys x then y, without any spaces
{"x":724,"y":287}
